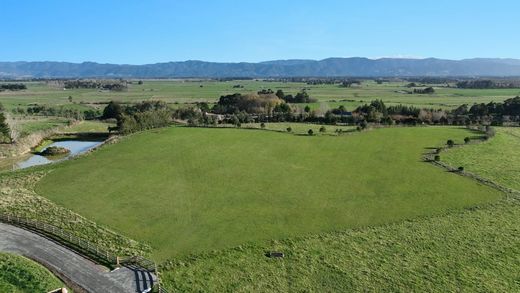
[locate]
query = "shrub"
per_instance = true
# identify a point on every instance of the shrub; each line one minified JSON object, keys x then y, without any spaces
{"x":310,"y":132}
{"x":54,"y":151}
{"x":450,"y":143}
{"x":437,"y":158}
{"x":490,"y":132}
{"x":461,"y":169}
{"x":323,"y":129}
{"x":467,"y":140}
{"x":289,"y":129}
{"x":262,"y":125}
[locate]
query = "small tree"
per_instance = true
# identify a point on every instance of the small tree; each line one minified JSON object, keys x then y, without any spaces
{"x":70,"y":99}
{"x":307,"y":109}
{"x":5,"y":132}
{"x":467,"y":140}
{"x":262,"y":125}
{"x":289,"y":129}
{"x":323,"y":129}
{"x":450,"y":143}
{"x":310,"y":132}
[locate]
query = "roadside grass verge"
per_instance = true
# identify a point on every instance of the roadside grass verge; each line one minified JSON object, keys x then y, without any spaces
{"x":19,"y":274}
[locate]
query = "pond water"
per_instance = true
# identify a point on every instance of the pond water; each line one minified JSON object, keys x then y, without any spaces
{"x":75,"y":146}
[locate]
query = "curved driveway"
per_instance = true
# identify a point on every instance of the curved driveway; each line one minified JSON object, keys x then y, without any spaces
{"x":69,"y":265}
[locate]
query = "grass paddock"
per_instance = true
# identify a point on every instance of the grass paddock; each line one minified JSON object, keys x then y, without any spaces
{"x":188,"y":190}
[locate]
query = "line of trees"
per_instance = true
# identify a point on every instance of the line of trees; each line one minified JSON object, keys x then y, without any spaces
{"x":488,"y":84}
{"x":111,"y":85}
{"x":60,"y":111}
{"x":12,"y":86}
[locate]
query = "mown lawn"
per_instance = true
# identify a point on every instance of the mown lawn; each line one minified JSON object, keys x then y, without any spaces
{"x":19,"y":274}
{"x":189,"y":190}
{"x":497,"y":159}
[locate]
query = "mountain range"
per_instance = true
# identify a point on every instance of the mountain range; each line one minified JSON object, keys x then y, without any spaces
{"x":337,"y":67}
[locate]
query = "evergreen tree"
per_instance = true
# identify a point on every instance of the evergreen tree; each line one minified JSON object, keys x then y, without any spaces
{"x":5,"y":133}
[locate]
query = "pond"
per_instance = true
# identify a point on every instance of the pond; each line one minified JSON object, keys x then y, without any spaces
{"x":76,"y":147}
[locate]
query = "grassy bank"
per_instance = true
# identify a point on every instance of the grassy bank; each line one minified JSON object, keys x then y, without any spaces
{"x":190,"y":190}
{"x":19,"y":274}
{"x":17,"y":197}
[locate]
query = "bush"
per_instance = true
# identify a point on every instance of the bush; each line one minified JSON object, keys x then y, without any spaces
{"x":461,"y":169}
{"x":450,"y":143}
{"x":289,"y":129}
{"x":467,"y":140}
{"x":54,"y":151}
{"x":262,"y":125}
{"x":310,"y":132}
{"x":323,"y":129}
{"x":490,"y":132}
{"x":437,"y":158}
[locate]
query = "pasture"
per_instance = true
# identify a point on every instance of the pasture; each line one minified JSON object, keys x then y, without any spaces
{"x":192,"y":190}
{"x":497,"y":159}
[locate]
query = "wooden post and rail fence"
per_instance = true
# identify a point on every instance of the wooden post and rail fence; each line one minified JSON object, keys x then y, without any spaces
{"x":84,"y":247}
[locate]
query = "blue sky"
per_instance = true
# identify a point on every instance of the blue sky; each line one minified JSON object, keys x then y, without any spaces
{"x":149,"y":31}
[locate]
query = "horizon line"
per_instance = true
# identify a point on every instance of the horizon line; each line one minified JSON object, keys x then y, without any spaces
{"x":265,"y":61}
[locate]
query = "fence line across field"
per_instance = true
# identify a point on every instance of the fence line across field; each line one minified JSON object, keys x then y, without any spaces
{"x":83,"y":246}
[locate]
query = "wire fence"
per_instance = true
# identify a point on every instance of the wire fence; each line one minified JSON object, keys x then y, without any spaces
{"x":84,"y":247}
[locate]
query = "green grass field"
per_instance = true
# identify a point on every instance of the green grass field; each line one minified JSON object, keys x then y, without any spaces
{"x":29,"y":126}
{"x":296,"y":128}
{"x":463,"y":251}
{"x":183,"y":91}
{"x":475,"y":250}
{"x":189,"y":190}
{"x":21,"y":275}
{"x":497,"y":159}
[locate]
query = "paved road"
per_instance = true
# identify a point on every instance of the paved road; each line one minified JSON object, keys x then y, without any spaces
{"x":82,"y":272}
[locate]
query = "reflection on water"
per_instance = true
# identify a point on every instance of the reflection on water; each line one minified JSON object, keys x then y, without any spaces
{"x":76,"y":147}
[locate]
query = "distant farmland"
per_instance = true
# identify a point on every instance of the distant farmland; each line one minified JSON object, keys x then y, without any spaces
{"x":189,"y":91}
